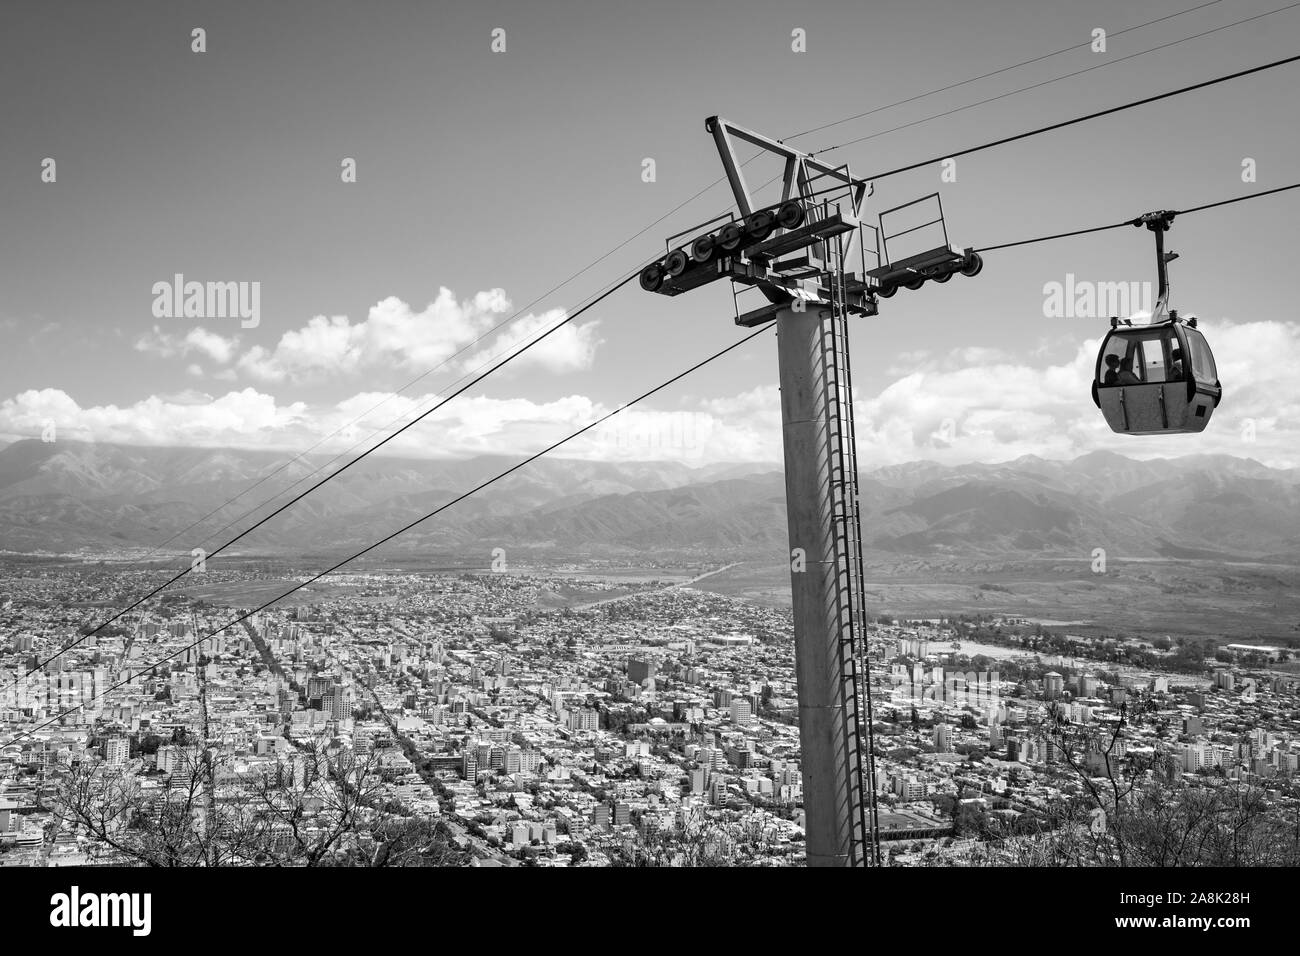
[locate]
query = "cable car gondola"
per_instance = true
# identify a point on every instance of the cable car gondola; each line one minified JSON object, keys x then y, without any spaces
{"x":1158,"y":378}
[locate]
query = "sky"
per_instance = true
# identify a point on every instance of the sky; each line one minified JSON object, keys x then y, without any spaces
{"x":486,"y":178}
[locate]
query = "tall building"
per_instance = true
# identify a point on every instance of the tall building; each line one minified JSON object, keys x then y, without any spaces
{"x":514,"y":760}
{"x":1053,"y":685}
{"x":336,"y":703}
{"x":699,"y":780}
{"x":318,"y":687}
{"x":742,"y":711}
{"x":117,"y":751}
{"x":909,"y":788}
{"x":1197,"y":756}
{"x":943,"y":738}
{"x":584,"y":718}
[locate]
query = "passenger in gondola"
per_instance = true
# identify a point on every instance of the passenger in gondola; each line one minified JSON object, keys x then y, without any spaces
{"x":1126,"y":376}
{"x":1112,"y":370}
{"x":1176,"y":366}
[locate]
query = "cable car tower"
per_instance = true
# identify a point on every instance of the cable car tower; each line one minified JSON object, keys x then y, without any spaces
{"x":800,"y":253}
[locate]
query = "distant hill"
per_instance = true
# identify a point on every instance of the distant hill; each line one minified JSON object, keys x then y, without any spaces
{"x":67,"y":496}
{"x":1203,"y":506}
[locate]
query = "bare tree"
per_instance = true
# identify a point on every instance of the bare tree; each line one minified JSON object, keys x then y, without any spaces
{"x":695,"y":840}
{"x":1134,"y":809}
{"x":319,"y":808}
{"x":125,"y":823}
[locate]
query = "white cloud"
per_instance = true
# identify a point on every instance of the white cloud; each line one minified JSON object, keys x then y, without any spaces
{"x":237,"y":418}
{"x":985,"y":405}
{"x":251,"y":419}
{"x":215,"y":347}
{"x":569,"y":348}
{"x":1000,"y":409}
{"x":394,"y":335}
{"x":187,"y":396}
{"x":218,"y":348}
{"x":944,"y":409}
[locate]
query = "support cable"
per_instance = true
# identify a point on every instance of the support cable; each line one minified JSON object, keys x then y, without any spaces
{"x":1137,"y":221}
{"x":402,"y":530}
{"x":509,"y":358}
{"x":1085,"y":118}
{"x":1004,"y":69}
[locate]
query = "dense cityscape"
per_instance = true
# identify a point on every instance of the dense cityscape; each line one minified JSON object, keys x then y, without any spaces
{"x":477,"y":719}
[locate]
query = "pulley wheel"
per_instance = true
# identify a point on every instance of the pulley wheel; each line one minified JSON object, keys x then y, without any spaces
{"x":702,"y":248}
{"x":760,"y":225}
{"x":676,"y":262}
{"x":790,"y":215}
{"x":652,"y":277}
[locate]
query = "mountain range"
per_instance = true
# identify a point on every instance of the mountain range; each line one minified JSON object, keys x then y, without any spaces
{"x":79,"y":497}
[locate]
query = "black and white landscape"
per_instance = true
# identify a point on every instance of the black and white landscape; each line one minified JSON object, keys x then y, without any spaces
{"x":547,"y":436}
{"x":84,"y":498}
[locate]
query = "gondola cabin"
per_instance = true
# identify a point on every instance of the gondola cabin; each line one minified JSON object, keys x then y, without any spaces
{"x":1156,"y":379}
